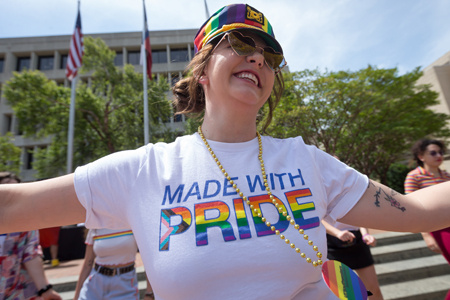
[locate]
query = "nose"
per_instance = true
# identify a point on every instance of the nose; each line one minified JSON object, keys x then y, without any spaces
{"x":256,"y":57}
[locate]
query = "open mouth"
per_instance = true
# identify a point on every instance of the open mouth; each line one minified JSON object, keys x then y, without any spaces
{"x":249,"y":76}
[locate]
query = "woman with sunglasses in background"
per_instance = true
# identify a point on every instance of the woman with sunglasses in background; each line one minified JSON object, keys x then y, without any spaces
{"x":429,"y":155}
{"x":226,"y":213}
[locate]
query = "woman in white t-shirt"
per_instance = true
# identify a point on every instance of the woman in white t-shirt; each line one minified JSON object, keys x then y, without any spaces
{"x":225,"y":213}
{"x":108,"y":270}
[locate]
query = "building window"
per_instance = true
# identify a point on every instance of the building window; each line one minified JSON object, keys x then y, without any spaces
{"x":23,"y":63}
{"x":63,"y":61}
{"x":192,"y":52}
{"x":45,"y":63}
{"x":159,"y":56}
{"x":7,"y":121}
{"x":134,"y":57}
{"x":2,"y":62}
{"x":118,"y":59}
{"x":175,"y":77}
{"x":177,"y":55}
{"x":178,"y":118}
{"x":29,"y":157}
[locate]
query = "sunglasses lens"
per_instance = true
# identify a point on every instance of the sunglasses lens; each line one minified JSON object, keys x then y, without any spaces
{"x":241,"y":44}
{"x":244,"y":46}
{"x":274,"y":60}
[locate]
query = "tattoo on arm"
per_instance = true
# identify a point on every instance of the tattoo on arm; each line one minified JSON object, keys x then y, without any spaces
{"x":380,"y":193}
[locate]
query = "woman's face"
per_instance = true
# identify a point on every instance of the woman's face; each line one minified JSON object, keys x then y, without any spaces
{"x":433,"y":156}
{"x":238,"y":80}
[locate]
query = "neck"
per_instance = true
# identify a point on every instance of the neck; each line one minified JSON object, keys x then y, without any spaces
{"x":432,"y":170}
{"x":229,"y":125}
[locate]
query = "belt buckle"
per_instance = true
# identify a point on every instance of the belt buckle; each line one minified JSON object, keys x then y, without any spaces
{"x":114,"y":272}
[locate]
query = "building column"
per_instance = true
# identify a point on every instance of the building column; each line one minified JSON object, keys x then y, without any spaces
{"x":168,"y":56}
{"x":189,"y":52}
{"x":33,"y":61}
{"x":125,"y":56}
{"x":56,"y":60}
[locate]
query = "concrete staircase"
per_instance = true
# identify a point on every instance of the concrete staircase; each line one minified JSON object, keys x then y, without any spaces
{"x":408,"y":270}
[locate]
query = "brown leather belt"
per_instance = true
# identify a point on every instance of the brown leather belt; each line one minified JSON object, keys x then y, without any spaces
{"x":113,"y":271}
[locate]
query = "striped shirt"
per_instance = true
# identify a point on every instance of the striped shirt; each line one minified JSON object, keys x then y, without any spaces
{"x":420,"y":178}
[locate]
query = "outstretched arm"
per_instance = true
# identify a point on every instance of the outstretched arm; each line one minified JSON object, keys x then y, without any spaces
{"x":382,"y":208}
{"x":42,"y":204}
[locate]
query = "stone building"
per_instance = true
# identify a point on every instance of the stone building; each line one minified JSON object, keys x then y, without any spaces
{"x":171,"y":52}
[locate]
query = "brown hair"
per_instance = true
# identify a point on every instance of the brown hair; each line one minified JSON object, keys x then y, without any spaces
{"x":5,"y":175}
{"x":189,"y":94}
{"x":420,"y":147}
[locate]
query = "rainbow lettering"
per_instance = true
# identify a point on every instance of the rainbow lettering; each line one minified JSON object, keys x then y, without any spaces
{"x":241,"y":218}
{"x":298,"y":209}
{"x":202,"y":224}
{"x":166,"y":230}
{"x":261,"y":228}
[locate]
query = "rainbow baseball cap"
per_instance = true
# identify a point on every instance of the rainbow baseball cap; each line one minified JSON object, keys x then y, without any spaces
{"x":236,"y":17}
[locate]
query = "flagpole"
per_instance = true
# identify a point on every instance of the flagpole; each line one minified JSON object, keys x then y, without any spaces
{"x":206,"y":10}
{"x":144,"y":53}
{"x":71,"y":126}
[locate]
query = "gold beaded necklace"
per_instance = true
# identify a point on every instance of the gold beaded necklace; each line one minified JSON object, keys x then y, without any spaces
{"x":272,"y":198}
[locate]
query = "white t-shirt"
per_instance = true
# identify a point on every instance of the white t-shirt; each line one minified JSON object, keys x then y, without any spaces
{"x":196,"y":237}
{"x":112,"y":247}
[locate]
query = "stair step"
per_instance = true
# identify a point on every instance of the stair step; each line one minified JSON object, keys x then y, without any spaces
{"x":434,"y":288}
{"x":412,"y":269}
{"x":389,"y":238}
{"x":401,"y":251}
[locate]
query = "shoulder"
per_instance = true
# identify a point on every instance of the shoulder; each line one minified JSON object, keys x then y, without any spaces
{"x":446,"y":174}
{"x":414,"y":173}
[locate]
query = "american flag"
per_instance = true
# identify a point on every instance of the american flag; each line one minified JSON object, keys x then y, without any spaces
{"x":145,"y":47}
{"x":76,"y":50}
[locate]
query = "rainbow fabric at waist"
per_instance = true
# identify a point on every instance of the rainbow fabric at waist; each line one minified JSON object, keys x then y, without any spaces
{"x":113,"y":235}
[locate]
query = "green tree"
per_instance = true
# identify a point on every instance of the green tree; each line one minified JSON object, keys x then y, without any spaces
{"x":109,"y":110}
{"x":9,"y":154}
{"x":369,"y":118}
{"x":396,"y":176}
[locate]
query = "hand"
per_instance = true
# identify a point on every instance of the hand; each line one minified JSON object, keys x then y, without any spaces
{"x":346,"y":236}
{"x":370,"y":240}
{"x":51,"y":295}
{"x":431,"y":243}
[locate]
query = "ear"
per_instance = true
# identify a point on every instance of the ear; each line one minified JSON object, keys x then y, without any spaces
{"x":203,"y":79}
{"x":420,"y":156}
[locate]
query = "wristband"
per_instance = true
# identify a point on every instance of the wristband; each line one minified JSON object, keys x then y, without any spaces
{"x":44,"y":289}
{"x":150,"y":294}
{"x":366,"y":234}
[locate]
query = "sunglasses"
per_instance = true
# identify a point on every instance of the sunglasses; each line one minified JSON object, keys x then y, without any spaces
{"x":245,"y":45}
{"x":435,"y":153}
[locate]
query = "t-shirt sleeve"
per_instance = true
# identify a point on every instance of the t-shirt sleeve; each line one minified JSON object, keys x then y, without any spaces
{"x":104,"y":186}
{"x":90,"y":237}
{"x":411,"y":183}
{"x":343,"y":185}
{"x":32,"y":248}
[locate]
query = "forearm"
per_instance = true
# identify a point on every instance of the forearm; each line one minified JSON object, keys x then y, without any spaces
{"x":382,"y":208}
{"x":88,"y":264}
{"x":331,"y":230}
{"x":363,"y":231}
{"x":47,"y":203}
{"x":36,"y":271}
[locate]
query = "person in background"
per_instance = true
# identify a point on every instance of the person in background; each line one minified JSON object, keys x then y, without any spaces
{"x":350,"y":245}
{"x":108,"y":270}
{"x":49,"y":239}
{"x":429,"y":155}
{"x":22,"y":275}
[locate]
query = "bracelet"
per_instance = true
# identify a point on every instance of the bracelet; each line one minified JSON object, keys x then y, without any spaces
{"x":44,"y":289}
{"x":150,"y":294}
{"x":366,"y":234}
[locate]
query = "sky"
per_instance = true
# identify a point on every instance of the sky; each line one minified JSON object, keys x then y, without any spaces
{"x":325,"y":34}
